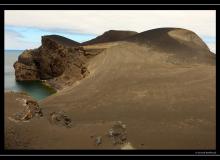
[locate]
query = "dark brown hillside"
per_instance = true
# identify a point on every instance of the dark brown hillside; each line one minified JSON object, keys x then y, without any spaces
{"x":60,"y":40}
{"x":111,"y":36}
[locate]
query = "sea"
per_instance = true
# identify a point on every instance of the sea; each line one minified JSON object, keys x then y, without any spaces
{"x":34,"y":88}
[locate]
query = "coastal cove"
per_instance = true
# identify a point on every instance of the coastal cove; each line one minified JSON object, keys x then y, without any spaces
{"x":36,"y":89}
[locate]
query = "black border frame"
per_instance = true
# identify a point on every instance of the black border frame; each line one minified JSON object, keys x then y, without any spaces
{"x":104,"y":152}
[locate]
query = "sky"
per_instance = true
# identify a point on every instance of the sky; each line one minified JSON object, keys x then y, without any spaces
{"x":24,"y":28}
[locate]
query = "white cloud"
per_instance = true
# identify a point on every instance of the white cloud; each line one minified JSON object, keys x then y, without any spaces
{"x":202,"y":22}
{"x":14,"y":40}
{"x":97,"y":22}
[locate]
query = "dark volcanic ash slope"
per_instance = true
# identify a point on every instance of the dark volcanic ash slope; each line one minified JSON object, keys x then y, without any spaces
{"x":59,"y":61}
{"x":111,"y":36}
{"x":184,"y":45}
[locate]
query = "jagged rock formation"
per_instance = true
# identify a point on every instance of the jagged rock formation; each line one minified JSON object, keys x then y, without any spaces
{"x":60,"y":119}
{"x":57,"y":61}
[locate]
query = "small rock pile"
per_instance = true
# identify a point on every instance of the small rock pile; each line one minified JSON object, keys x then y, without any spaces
{"x":118,"y":133}
{"x":98,"y":140}
{"x":31,"y":110}
{"x":60,"y":119}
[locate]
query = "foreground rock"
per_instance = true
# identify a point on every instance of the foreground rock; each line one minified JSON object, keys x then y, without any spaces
{"x":28,"y":110}
{"x":98,"y":140}
{"x":31,"y":110}
{"x":118,"y":133}
{"x":60,"y":119}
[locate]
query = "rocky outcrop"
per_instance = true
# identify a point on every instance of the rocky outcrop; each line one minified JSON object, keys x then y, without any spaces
{"x":26,"y":72}
{"x":59,"y":61}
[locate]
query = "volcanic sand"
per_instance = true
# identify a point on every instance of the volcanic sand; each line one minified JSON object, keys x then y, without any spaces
{"x":164,"y":105}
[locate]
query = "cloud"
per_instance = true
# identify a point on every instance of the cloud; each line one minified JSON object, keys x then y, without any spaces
{"x":28,"y":37}
{"x":95,"y":22}
{"x":15,"y":40}
{"x":12,"y":33}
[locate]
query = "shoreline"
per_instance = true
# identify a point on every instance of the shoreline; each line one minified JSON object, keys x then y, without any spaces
{"x":46,"y":87}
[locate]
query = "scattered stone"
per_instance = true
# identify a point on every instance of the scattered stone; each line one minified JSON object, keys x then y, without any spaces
{"x":59,"y":118}
{"x":34,"y":109}
{"x":118,"y":133}
{"x":110,"y":132}
{"x":123,"y":138}
{"x":98,"y":140}
{"x":31,"y":110}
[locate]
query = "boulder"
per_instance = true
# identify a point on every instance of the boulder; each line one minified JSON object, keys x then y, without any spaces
{"x":118,"y":133}
{"x":60,"y":119}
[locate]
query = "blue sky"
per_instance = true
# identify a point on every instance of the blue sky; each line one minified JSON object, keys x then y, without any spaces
{"x":23,"y":29}
{"x":32,"y":36}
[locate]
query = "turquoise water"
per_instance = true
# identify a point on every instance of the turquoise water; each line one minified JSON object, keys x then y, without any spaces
{"x":34,"y":88}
